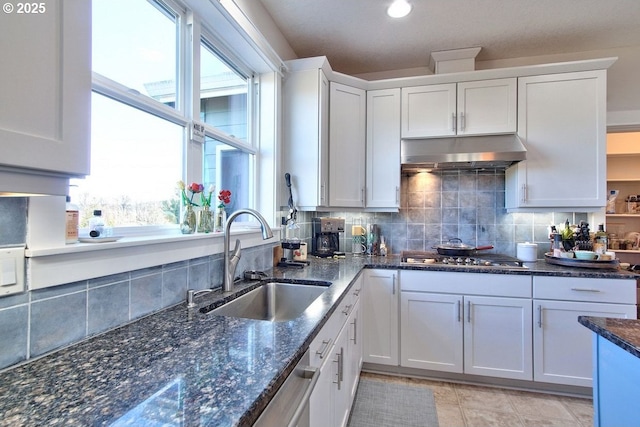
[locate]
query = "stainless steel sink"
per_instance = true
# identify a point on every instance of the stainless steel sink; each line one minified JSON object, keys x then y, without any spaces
{"x":273,"y":301}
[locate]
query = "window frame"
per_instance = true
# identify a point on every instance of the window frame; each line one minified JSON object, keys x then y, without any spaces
{"x":190,"y":33}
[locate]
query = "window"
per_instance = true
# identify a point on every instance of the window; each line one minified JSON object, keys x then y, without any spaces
{"x":224,"y":108}
{"x":139,"y":138}
{"x":132,"y":187}
{"x":135,"y":43}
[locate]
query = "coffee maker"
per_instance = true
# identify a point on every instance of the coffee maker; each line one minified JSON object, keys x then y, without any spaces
{"x":326,"y":236}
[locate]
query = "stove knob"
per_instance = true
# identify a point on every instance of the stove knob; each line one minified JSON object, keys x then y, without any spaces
{"x":468,"y":261}
{"x":459,"y":261}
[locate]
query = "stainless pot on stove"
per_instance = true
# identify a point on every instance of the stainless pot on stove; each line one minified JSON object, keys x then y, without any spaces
{"x":455,"y":247}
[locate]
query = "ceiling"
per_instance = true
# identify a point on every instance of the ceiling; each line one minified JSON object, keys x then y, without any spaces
{"x":358,"y":37}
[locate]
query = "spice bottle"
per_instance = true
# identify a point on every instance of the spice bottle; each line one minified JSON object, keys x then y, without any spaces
{"x":600,"y":240}
{"x":73,"y":215}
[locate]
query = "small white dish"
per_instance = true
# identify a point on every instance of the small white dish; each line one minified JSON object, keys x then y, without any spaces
{"x":99,"y":239}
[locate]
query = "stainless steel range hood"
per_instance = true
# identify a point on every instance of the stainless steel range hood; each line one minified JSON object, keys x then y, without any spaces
{"x":468,"y":152}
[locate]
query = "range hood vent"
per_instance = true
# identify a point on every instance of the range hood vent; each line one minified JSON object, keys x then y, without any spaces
{"x":462,"y":153}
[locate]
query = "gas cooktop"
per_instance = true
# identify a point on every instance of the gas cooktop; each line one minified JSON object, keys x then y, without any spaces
{"x":483,"y":260}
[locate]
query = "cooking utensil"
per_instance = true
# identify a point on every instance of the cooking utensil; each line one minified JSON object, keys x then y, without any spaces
{"x":293,"y":212}
{"x":455,"y":247}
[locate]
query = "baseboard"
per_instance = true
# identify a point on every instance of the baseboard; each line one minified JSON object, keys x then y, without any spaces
{"x":533,"y":386}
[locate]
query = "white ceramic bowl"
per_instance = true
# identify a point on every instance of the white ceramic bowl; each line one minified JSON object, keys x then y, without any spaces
{"x":566,"y":254}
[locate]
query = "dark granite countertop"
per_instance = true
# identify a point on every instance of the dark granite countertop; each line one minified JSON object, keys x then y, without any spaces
{"x":181,"y":367}
{"x":625,"y":333}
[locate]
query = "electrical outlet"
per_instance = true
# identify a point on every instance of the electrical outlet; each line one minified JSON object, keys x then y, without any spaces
{"x":11,"y":270}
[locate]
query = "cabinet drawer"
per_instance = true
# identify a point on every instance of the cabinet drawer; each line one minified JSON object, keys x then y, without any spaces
{"x":504,"y":285}
{"x":617,"y":291}
{"x":320,"y":348}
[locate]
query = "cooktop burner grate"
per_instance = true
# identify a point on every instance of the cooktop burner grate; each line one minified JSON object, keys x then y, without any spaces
{"x":484,"y":260}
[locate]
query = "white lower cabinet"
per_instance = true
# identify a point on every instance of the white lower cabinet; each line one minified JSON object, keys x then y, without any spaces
{"x":337,"y":351}
{"x":562,"y":347}
{"x":380,"y":315}
{"x":445,"y":328}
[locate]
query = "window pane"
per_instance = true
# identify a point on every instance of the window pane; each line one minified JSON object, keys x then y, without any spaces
{"x":223,"y":95}
{"x":228,"y":168}
{"x":135,"y":44}
{"x":136,"y":162}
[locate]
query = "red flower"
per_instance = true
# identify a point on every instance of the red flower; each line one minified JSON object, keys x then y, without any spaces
{"x":196,"y":188}
{"x":225,"y":196}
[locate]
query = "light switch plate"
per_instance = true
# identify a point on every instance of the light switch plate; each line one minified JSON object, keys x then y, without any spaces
{"x":11,"y":270}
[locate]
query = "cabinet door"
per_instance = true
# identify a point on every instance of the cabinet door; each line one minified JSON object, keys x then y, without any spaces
{"x":46,"y":88}
{"x":347,"y":130}
{"x":322,"y":399}
{"x":306,"y":138}
{"x":497,"y":337}
{"x":380,"y":317}
{"x":431,"y":331}
{"x":342,"y":390}
{"x":429,"y":111}
{"x":383,"y":149}
{"x":487,"y":107}
{"x":562,"y":347}
{"x":354,"y":324}
{"x":562,"y":122}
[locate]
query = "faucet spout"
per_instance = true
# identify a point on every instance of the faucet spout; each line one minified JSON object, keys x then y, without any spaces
{"x":231,"y":259}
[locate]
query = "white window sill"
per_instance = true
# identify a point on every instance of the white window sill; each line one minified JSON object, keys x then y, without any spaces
{"x":57,"y":265}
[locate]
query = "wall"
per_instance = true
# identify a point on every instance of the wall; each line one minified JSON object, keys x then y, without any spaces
{"x":467,"y":205}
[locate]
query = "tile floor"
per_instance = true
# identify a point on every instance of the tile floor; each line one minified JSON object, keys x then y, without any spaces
{"x":462,"y":405}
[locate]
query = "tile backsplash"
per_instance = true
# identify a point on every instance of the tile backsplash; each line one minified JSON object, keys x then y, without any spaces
{"x":458,"y":204}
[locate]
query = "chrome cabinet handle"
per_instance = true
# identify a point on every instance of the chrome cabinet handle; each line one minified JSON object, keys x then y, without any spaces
{"x":356,"y":292}
{"x":453,"y":122}
{"x":393,"y":289}
{"x":539,"y":316}
{"x":355,"y":330}
{"x":468,"y":311}
{"x":459,"y":304}
{"x":462,"y":122}
{"x":586,"y":290}
{"x":347,"y":309}
{"x":341,"y":370}
{"x":337,"y":360}
{"x":325,"y":347}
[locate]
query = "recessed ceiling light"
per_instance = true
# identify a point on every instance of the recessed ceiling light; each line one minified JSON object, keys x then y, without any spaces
{"x":399,"y":9}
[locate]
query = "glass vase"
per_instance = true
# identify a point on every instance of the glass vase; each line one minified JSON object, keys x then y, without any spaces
{"x":221,"y":219}
{"x":188,"y":224}
{"x":205,"y":225}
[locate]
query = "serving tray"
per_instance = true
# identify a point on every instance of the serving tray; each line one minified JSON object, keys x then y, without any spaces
{"x":582,"y":263}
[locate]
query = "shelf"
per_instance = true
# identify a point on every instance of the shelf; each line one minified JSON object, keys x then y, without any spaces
{"x":623,"y":215}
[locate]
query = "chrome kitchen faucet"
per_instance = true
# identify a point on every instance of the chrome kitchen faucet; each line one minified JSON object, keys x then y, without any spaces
{"x":231,"y":260}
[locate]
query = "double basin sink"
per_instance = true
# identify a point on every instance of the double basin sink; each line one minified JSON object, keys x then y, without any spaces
{"x":273,"y":301}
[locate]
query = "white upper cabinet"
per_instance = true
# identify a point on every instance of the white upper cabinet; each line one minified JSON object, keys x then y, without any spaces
{"x":428,"y":111}
{"x":562,"y":122}
{"x":306,"y":137}
{"x":347,"y":137}
{"x":467,"y":108}
{"x":46,"y":90}
{"x":383,"y":149}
